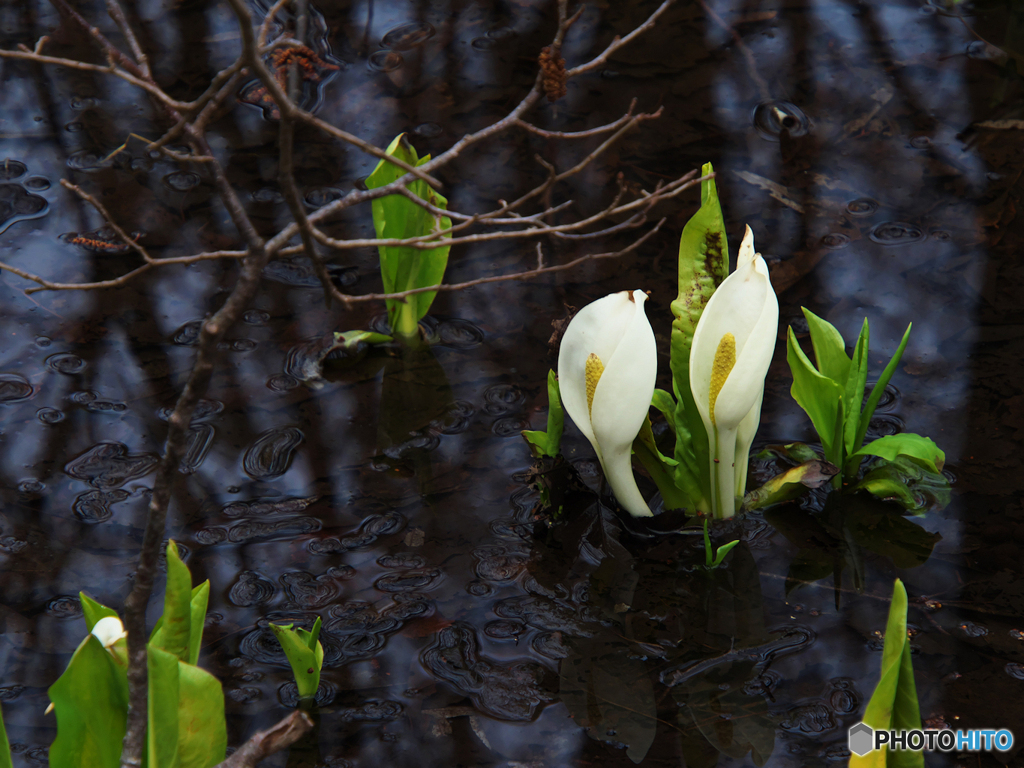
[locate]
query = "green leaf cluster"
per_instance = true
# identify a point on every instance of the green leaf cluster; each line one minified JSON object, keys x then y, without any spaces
{"x":548,"y":442}
{"x":893,"y":705}
{"x":832,"y":392}
{"x":404,"y":268}
{"x":305,"y":654}
{"x":186,"y":726}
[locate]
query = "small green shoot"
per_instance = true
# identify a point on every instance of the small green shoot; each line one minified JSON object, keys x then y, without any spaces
{"x":713,"y":559}
{"x":305,"y":654}
{"x":406,"y":267}
{"x":548,"y":443}
{"x":893,"y":705}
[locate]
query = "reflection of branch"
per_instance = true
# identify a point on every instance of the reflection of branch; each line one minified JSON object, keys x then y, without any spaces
{"x":748,"y":57}
{"x":263,"y":744}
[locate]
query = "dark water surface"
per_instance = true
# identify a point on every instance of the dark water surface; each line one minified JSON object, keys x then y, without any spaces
{"x":392,"y":500}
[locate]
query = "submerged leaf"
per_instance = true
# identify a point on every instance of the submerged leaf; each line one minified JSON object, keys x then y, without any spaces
{"x":790,"y":484}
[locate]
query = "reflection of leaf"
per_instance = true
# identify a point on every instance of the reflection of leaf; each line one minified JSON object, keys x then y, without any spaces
{"x":610,"y":694}
{"x":908,"y":482}
{"x":733,"y":722}
{"x":415,"y":392}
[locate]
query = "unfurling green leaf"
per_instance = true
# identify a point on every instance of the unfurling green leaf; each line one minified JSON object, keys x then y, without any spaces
{"x":893,"y":705}
{"x":906,"y":444}
{"x":405,"y":268}
{"x":305,"y":655}
{"x":549,"y":442}
{"x":820,"y":396}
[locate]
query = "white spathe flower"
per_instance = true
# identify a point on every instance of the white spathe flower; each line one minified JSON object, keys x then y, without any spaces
{"x":109,"y":630}
{"x":733,"y":345}
{"x":607,"y":365}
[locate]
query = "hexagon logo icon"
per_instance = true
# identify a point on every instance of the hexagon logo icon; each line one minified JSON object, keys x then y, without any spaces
{"x":861,"y":739}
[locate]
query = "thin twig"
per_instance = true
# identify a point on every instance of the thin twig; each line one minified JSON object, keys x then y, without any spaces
{"x":117,"y":14}
{"x":748,"y":57}
{"x":124,"y":236}
{"x":617,"y":42}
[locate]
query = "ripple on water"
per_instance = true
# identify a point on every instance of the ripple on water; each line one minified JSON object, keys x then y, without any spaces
{"x":182,"y":181}
{"x":288,"y":694}
{"x":50,"y":415}
{"x":108,"y":465}
{"x":896,"y":233}
{"x":12,"y":169}
{"x":459,"y":334}
{"x":271,"y":453}
{"x":407,"y":36}
{"x":200,"y":439}
{"x":94,"y":506}
{"x":771,"y":118}
{"x":64,"y":607}
{"x":372,"y":711}
{"x":65,"y":362}
{"x":835,"y":240}
{"x":505,"y":691}
{"x":409,"y":581}
{"x":14,"y":388}
{"x":251,"y":589}
{"x":503,"y":399}
{"x":385,"y":61}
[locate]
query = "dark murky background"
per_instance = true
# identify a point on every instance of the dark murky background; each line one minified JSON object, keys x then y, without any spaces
{"x":392,"y":500}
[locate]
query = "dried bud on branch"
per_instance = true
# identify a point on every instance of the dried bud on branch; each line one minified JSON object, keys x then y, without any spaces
{"x":552,"y":67}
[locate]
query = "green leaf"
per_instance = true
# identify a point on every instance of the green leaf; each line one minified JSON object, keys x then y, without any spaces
{"x":162,"y":709}
{"x":305,"y":655}
{"x":202,"y":730}
{"x":5,"y":746}
{"x":790,"y":484}
{"x":665,"y":403}
{"x":91,"y":703}
{"x":395,"y":216}
{"x":853,"y":395}
{"x":350,"y":339}
{"x":909,"y":482}
{"x":199,"y":601}
{"x":549,"y":443}
{"x":93,"y":611}
{"x":818,"y":395}
{"x":879,"y":388}
{"x":893,"y":705}
{"x":723,"y":550}
{"x":906,"y":444}
{"x":829,"y":348}
{"x":173,"y":631}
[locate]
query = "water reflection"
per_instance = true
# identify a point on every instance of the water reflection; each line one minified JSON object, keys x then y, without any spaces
{"x":391,"y":501}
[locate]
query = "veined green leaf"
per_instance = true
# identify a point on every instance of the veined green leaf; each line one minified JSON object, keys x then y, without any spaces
{"x":202,"y":730}
{"x":394,"y":216}
{"x":829,"y":348}
{"x":173,"y":631}
{"x":853,"y":394}
{"x":908,"y":481}
{"x":305,"y":655}
{"x":91,"y":703}
{"x":703,"y":265}
{"x":661,"y":469}
{"x":906,"y":444}
{"x":162,"y":708}
{"x":893,"y":705}
{"x":93,"y":611}
{"x":879,"y":388}
{"x":818,"y":395}
{"x":665,"y":403}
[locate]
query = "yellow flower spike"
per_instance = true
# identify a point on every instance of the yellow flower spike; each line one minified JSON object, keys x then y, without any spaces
{"x":607,"y":364}
{"x":725,"y":361}
{"x":593,"y":370}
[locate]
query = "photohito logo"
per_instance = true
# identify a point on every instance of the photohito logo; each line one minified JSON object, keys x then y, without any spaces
{"x":863,"y":739}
